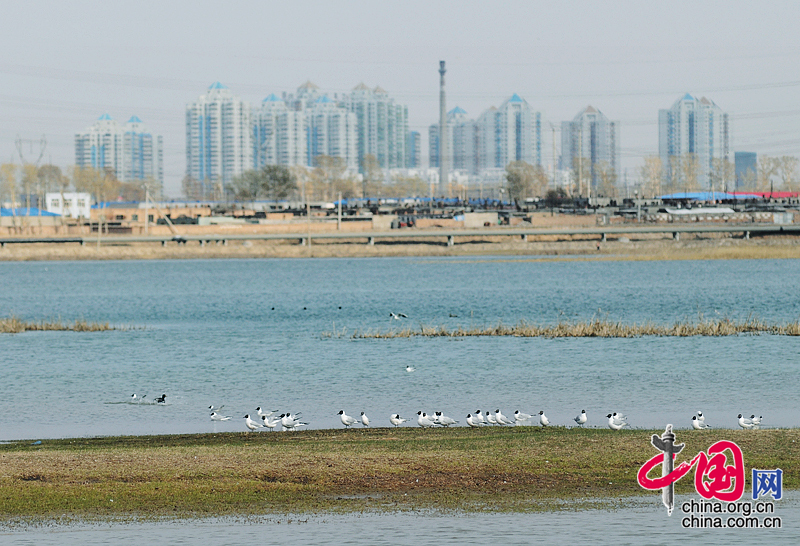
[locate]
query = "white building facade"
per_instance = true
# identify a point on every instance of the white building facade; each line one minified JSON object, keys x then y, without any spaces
{"x":100,"y":147}
{"x":218,"y":136}
{"x":693,"y":126}
{"x":591,"y":136}
{"x":382,"y":126}
{"x":332,"y":131}
{"x":279,"y":134}
{"x":130,"y":152}
{"x":69,"y":204}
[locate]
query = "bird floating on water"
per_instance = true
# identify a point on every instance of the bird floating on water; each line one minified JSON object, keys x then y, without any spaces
{"x":410,"y":369}
{"x":397,"y":316}
{"x":217,"y":417}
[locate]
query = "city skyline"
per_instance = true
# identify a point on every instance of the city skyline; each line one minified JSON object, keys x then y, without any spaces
{"x":626,"y":58}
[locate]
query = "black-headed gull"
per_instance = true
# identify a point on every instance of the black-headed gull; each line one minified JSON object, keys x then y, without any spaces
{"x":615,"y":423}
{"x":364,"y":419}
{"x":423,"y":420}
{"x":490,"y":418}
{"x":581,"y":418}
{"x":271,"y":423}
{"x":756,"y":421}
{"x":521,"y":418}
{"x":398,"y":316}
{"x":472,"y":422}
{"x":502,"y":419}
{"x":543,"y":420}
{"x":745,"y":423}
{"x":697,"y":424}
{"x":445,"y":421}
{"x":249,"y":423}
{"x":347,"y":421}
{"x":217,"y":417}
{"x":396,"y":420}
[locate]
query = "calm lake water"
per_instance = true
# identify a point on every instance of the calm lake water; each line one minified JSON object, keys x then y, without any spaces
{"x":247,"y":333}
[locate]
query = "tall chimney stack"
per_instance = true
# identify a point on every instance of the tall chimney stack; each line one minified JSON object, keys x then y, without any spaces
{"x":442,"y":133}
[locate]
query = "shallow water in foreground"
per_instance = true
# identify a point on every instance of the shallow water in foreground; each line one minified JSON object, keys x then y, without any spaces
{"x":635,"y":522}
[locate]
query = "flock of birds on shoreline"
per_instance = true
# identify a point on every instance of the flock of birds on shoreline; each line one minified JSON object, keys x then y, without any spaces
{"x":291,"y":421}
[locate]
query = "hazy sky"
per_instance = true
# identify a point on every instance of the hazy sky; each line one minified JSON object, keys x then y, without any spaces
{"x":63,"y":64}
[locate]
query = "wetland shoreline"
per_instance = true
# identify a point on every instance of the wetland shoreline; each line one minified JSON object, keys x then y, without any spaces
{"x":514,"y":469}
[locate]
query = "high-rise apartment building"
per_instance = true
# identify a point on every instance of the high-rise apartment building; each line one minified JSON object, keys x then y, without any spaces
{"x":142,"y":153}
{"x":590,"y":136}
{"x":414,"y":150}
{"x":130,"y":152}
{"x":100,"y":146}
{"x":279,"y":134}
{"x":332,"y":132}
{"x":218,"y":136}
{"x":461,"y":149}
{"x":693,"y":126}
{"x":511,"y":132}
{"x":382,"y":126}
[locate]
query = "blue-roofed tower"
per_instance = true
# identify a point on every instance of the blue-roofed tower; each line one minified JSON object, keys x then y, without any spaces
{"x":693,"y":133}
{"x":218,"y":139}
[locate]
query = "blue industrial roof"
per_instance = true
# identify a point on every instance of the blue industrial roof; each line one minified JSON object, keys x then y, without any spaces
{"x":272,"y":98}
{"x":708,"y":196}
{"x":687,"y":96}
{"x":134,"y":119}
{"x":515,"y":98}
{"x":22,"y":211}
{"x":217,"y":85}
{"x":104,"y":117}
{"x":323,"y":100}
{"x":457,"y":110}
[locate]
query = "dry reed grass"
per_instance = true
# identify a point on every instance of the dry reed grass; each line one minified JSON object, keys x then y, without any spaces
{"x":595,"y":327}
{"x":15,"y":325}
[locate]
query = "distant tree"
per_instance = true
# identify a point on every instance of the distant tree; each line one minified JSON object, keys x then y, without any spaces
{"x":767,"y":167}
{"x":277,"y":182}
{"x":607,"y":179}
{"x":193,"y":189}
{"x":328,"y":174}
{"x":581,"y":174}
{"x":103,"y":185}
{"x":372,"y":182}
{"x":248,"y":186}
{"x":407,"y":186}
{"x":787,"y":172}
{"x":651,"y":175}
{"x":555,"y":197}
{"x":8,"y":183}
{"x":722,"y":174}
{"x":689,"y":169}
